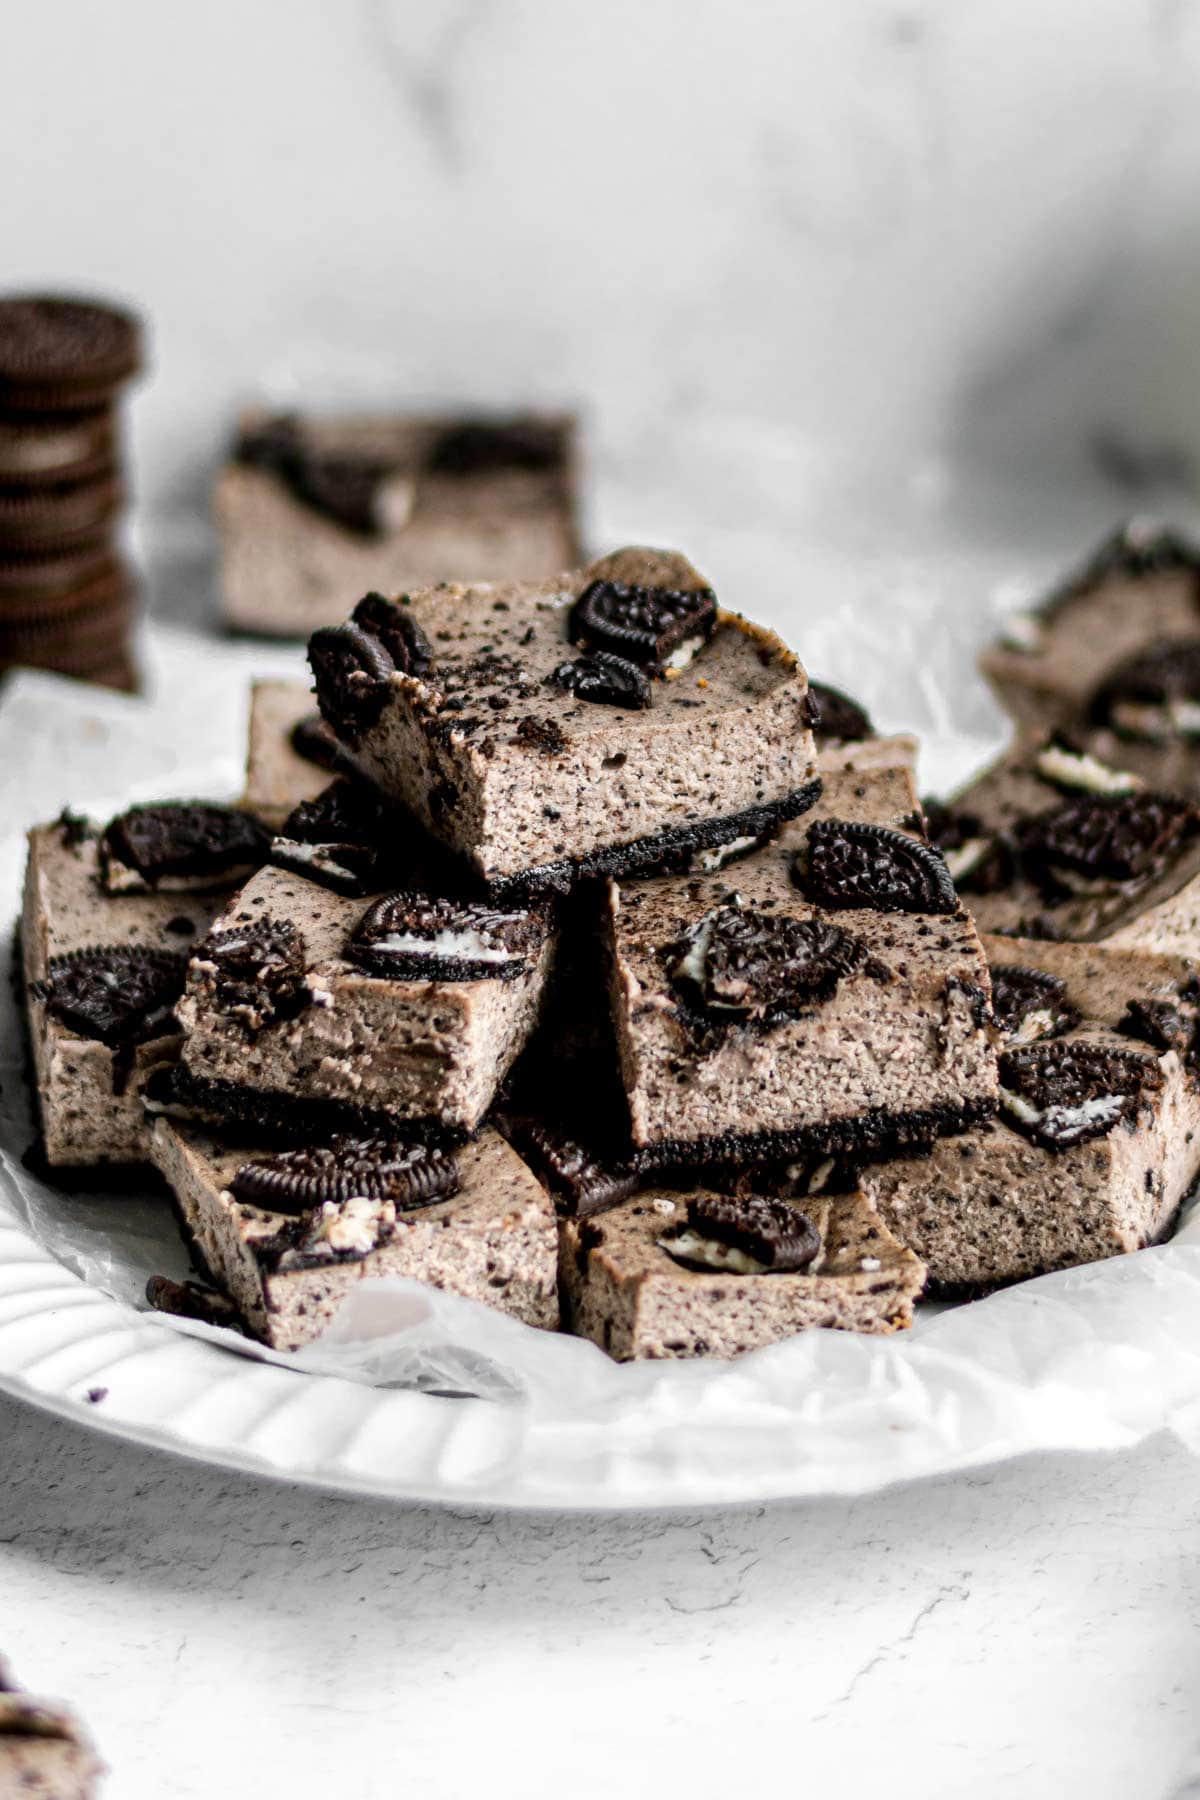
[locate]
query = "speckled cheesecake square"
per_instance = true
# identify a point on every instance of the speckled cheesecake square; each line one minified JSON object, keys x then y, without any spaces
{"x":827,"y":992}
{"x":45,"y":1754}
{"x":290,"y":751}
{"x":110,"y":914}
{"x":328,"y":994}
{"x":1104,"y":649}
{"x":312,"y":509}
{"x":1097,"y":1139}
{"x":1049,"y":842}
{"x":286,"y":1234}
{"x":669,"y":1275}
{"x":604,"y":723}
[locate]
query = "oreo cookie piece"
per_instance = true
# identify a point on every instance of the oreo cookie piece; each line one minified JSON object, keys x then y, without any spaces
{"x":363,"y":493}
{"x":257,"y":972}
{"x":1065,"y":1091}
{"x":312,"y":739}
{"x":738,"y":961}
{"x":61,"y":354}
{"x":179,"y":844}
{"x":1029,"y":1004}
{"x":978,"y":861}
{"x":398,"y":631}
{"x":354,"y":663}
{"x":582,"y":1180}
{"x":120,"y":994}
{"x":408,"y":936}
{"x":1154,"y":694}
{"x":1105,"y":839}
{"x":853,"y":865}
{"x":1161,"y":1025}
{"x":368,"y":1168}
{"x":836,"y":716}
{"x":495,"y":446}
{"x":605,"y":679}
{"x":189,"y":1300}
{"x":658,"y":628}
{"x":743,"y":1234}
{"x":335,"y":840}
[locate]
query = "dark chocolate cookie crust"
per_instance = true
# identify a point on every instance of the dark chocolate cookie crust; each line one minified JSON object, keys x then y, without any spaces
{"x":666,"y":852}
{"x":868,"y":1137}
{"x":284,"y":1120}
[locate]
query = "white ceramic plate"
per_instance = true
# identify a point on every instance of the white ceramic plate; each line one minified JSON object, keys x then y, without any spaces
{"x":1090,"y":1359}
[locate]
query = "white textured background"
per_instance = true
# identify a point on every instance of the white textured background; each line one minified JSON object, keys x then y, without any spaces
{"x":859,"y":295}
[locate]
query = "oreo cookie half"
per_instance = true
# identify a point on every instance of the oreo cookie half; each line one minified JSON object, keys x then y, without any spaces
{"x":354,"y":663}
{"x":736,"y":1234}
{"x":312,"y":739}
{"x":740,"y":962}
{"x":852,"y":865}
{"x":659,"y":628}
{"x":177,"y":846}
{"x":120,"y":994}
{"x":606,"y":679}
{"x":1030,"y":1004}
{"x":1105,"y":839}
{"x":256,"y":972}
{"x":1153,"y":695}
{"x":837,"y":716}
{"x":1066,"y":1092}
{"x":1162,"y":1025}
{"x":335,"y":840}
{"x":348,"y":1168}
{"x":408,"y":936}
{"x":364,"y":493}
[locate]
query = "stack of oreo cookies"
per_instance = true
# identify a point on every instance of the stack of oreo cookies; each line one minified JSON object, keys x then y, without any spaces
{"x":67,"y":597}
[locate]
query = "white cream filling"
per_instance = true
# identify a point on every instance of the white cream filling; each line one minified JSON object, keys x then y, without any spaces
{"x":350,"y":1227}
{"x":468,"y":945}
{"x":1033,"y":1026}
{"x":690,"y":966}
{"x":707,"y":862}
{"x":1061,"y":1121}
{"x":392,"y":507}
{"x":1077,"y":771}
{"x":1174,"y":718}
{"x":683,"y":653}
{"x":1022,"y":631}
{"x":966,"y":858}
{"x":689,"y":1244}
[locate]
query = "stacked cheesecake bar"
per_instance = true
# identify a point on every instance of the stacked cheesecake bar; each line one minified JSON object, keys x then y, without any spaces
{"x":579,"y":956}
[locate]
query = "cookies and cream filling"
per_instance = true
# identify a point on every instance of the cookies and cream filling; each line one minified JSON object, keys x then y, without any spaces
{"x":1078,"y":772}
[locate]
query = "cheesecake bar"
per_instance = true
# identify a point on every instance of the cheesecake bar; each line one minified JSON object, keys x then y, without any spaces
{"x":106,"y":930}
{"x":847,"y":740}
{"x":1139,"y":592}
{"x":291,"y":751}
{"x":1097,"y":1139}
{"x":827,"y":992}
{"x":400,"y":1004}
{"x":312,"y":510}
{"x":598,"y":724}
{"x":668,"y":1274}
{"x":1049,"y":842}
{"x":285,"y":1234}
{"x":44,"y":1752}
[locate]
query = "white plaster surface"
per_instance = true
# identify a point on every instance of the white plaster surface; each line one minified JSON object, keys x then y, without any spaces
{"x":1029,"y":1632}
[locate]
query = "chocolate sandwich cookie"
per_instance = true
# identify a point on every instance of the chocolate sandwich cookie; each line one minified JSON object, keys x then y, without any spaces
{"x":179,"y":845}
{"x":64,"y":355}
{"x":58,"y":515}
{"x":93,"y":630}
{"x":38,"y":451}
{"x":52,"y":581}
